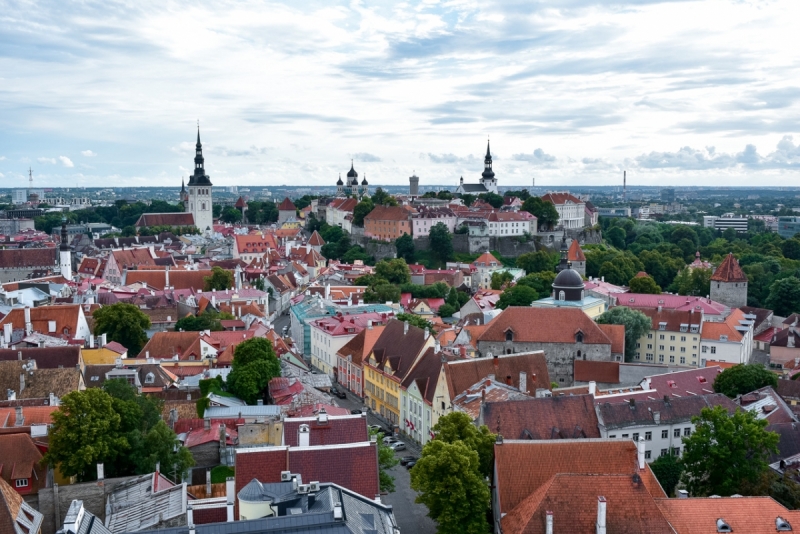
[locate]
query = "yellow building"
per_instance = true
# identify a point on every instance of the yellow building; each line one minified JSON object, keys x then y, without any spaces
{"x":101,"y":356}
{"x":673,"y":339}
{"x":391,"y":358}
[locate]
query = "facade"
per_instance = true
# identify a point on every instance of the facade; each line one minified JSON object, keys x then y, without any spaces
{"x":484,"y":265}
{"x":674,"y":337}
{"x":730,"y":341}
{"x":487,"y":183}
{"x":614,"y":212}
{"x":25,"y":263}
{"x":352,"y":187}
{"x":286,"y":211}
{"x":511,"y":223}
{"x":421,"y":393}
{"x":426,"y":218}
{"x":571,"y":210}
{"x":351,"y":358}
{"x":788,"y":227}
{"x":723,"y":223}
{"x":197,"y":199}
{"x":569,"y":290}
{"x":387,"y":223}
{"x":576,"y":258}
{"x":413,"y":185}
{"x":330,"y":334}
{"x":340,"y":213}
{"x":729,"y":283}
{"x":64,"y":253}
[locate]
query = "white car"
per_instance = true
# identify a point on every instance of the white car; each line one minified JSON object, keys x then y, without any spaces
{"x":398,"y":446}
{"x":389,"y":440}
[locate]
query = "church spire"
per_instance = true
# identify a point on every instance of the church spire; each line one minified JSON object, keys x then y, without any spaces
{"x":488,"y":173}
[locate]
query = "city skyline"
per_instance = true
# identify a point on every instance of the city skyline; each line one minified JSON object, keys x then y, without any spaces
{"x":676,"y":93}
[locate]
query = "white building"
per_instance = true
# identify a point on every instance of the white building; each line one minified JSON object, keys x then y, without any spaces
{"x":571,"y":210}
{"x":511,"y":223}
{"x":730,"y":341}
{"x":487,"y":183}
{"x":330,"y":334}
{"x":340,"y":213}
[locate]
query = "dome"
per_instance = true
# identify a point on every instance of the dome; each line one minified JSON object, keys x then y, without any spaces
{"x":339,"y":181}
{"x":364,"y":181}
{"x":568,"y":278}
{"x":352,"y":172}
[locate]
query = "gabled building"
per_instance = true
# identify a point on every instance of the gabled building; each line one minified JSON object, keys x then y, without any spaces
{"x":571,"y":210}
{"x":729,"y":341}
{"x":387,"y":223}
{"x":121,"y":260}
{"x":340,"y":213}
{"x":729,"y":283}
{"x":16,"y":515}
{"x":21,"y":380}
{"x":511,"y":223}
{"x":673,"y":338}
{"x":329,"y":334}
{"x":571,"y":417}
{"x":423,"y":386}
{"x":484,"y":265}
{"x":20,"y":464}
{"x":576,"y":257}
{"x":351,"y":359}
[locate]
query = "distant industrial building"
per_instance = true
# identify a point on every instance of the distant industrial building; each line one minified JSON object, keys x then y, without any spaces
{"x":668,"y":195}
{"x":788,"y":226}
{"x":723,"y":223}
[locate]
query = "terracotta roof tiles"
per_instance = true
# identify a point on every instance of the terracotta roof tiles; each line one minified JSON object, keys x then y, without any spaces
{"x":729,"y":271}
{"x":544,"y":325}
{"x":337,"y":431}
{"x":462,"y":374}
{"x":571,"y":417}
{"x":21,"y":457}
{"x":753,"y":515}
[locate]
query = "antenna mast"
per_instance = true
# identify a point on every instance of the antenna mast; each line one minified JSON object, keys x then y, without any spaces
{"x":30,"y":178}
{"x":624,"y":186}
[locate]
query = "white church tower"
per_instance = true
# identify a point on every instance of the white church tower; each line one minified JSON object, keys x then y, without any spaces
{"x":198,"y":200}
{"x":64,"y":252}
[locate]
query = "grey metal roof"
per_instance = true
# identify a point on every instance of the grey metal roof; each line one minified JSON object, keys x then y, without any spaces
{"x":234,"y":412}
{"x":134,"y":506}
{"x":473,"y":188}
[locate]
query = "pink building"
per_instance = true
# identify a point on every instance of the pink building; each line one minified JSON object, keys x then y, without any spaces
{"x":426,"y":217}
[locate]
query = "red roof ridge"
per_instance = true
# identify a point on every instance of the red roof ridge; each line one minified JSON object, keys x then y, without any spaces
{"x":729,"y":271}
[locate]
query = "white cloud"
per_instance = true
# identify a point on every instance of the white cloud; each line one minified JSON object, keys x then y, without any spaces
{"x":2,"y":158}
{"x":43,"y":160}
{"x":65,"y":161}
{"x":88,"y":153}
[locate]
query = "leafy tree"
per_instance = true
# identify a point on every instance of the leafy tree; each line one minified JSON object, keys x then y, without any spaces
{"x":447,"y":310}
{"x":542,"y":282}
{"x":545,"y":212}
{"x":620,"y":269}
{"x":681,"y":232}
{"x":726,"y":453}
{"x":208,"y":320}
{"x":468,"y":199}
{"x":495,"y":200}
{"x":124,"y":323}
{"x":230,"y":215}
{"x":220,"y":279}
{"x":644,"y":284}
{"x":160,"y":445}
{"x":744,"y":378}
{"x":448,"y":480}
{"x":356,"y":253}
{"x":415,"y":320}
{"x":382,"y":198}
{"x":784,"y":296}
{"x":405,"y":247}
{"x":518,"y":295}
{"x":522,"y":194}
{"x":394,"y":271}
{"x":441,"y":242}
{"x":791,"y":248}
{"x":501,"y":278}
{"x":254,"y":365}
{"x":457,"y":426}
{"x":382,"y":291}
{"x":668,"y":470}
{"x":696,"y":282}
{"x":534,"y":262}
{"x":386,"y":460}
{"x":636,"y":325}
{"x":361,"y":210}
{"x":662,"y":267}
{"x":85,"y":432}
{"x":616,"y":237}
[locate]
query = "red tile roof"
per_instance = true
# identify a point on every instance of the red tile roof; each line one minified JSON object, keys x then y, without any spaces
{"x":561,"y":198}
{"x":316,"y":240}
{"x":46,"y":357}
{"x":616,"y":333}
{"x":571,"y":417}
{"x":751,"y":515}
{"x":486,"y":259}
{"x":178,"y":278}
{"x":575,"y":253}
{"x":544,"y":325}
{"x":387,"y":213}
{"x":165,"y":219}
{"x":21,"y":459}
{"x":286,"y":205}
{"x":337,"y":431}
{"x":132,"y":257}
{"x":729,"y":271}
{"x":27,"y":257}
{"x":591,"y":371}
{"x":65,"y":316}
{"x":462,"y":374}
{"x":665,"y":301}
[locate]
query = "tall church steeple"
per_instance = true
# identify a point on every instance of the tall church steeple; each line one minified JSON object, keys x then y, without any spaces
{"x":198,"y":198}
{"x":487,"y":177}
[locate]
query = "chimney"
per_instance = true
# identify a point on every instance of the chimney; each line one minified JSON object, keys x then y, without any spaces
{"x":91,"y":342}
{"x":509,"y":382}
{"x":369,"y":324}
{"x":208,"y":482}
{"x":20,"y":417}
{"x":437,"y":347}
{"x":190,"y":517}
{"x":683,"y":494}
{"x":640,"y":452}
{"x":322,"y":417}
{"x":28,"y":324}
{"x":166,"y":276}
{"x":657,"y":417}
{"x":230,"y":495}
{"x":100,"y":472}
{"x":103,"y":340}
{"x":207,"y":424}
{"x":601,"y":515}
{"x":427,"y":333}
{"x":592,"y":388}
{"x":523,"y":381}
{"x":21,"y":381}
{"x":496,"y":363}
{"x":304,"y":436}
{"x":548,"y":529}
{"x":7,"y":330}
{"x":405,"y":327}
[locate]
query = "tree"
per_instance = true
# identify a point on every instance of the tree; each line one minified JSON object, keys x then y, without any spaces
{"x":545,"y":212}
{"x":220,"y":280}
{"x":405,"y":247}
{"x":394,"y":271}
{"x":382,"y":198}
{"x":124,"y":323}
{"x":784,"y":296}
{"x":644,"y":284}
{"x":467,"y":199}
{"x":668,"y":470}
{"x":518,"y":295}
{"x":726,"y":453}
{"x":457,"y":426}
{"x":231,"y":215}
{"x":382,"y":291}
{"x":542,"y":282}
{"x":361,"y":210}
{"x":415,"y":320}
{"x":744,"y":378}
{"x":791,"y":248}
{"x":447,"y":310}
{"x":441,"y":242}
{"x":495,"y":200}
{"x":616,"y":237}
{"x":208,"y":320}
{"x":85,"y":432}
{"x":501,"y":278}
{"x":534,"y":262}
{"x":449,"y":483}
{"x":386,"y":460}
{"x":254,"y":365}
{"x":636,"y":325}
{"x":696,"y":282}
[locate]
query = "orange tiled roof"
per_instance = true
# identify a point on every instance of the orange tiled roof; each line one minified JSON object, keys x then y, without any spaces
{"x":544,"y":325}
{"x":729,"y":271}
{"x":575,"y":253}
{"x":753,"y":515}
{"x":65,"y":316}
{"x":178,"y":278}
{"x":616,"y":333}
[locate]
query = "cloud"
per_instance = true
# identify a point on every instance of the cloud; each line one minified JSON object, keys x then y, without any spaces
{"x":43,"y":160}
{"x":537,"y":157}
{"x":2,"y":158}
{"x":449,"y":158}
{"x":88,"y":153}
{"x":365,"y":157}
{"x":65,"y":161}
{"x":785,"y":156}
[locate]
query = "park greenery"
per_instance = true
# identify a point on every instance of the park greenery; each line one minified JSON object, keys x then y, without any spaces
{"x":124,"y":323}
{"x":386,"y":460}
{"x":118,"y":427}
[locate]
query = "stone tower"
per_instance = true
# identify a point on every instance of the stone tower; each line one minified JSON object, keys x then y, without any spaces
{"x":64,"y":252}
{"x":198,"y":200}
{"x":729,"y":283}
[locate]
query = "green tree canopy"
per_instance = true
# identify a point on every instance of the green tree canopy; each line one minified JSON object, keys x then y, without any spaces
{"x":784,"y":296}
{"x":124,"y":323}
{"x":518,"y":295}
{"x":447,"y":310}
{"x":726,"y":453}
{"x":636,"y":325}
{"x":441,"y":242}
{"x":545,"y":212}
{"x":220,"y":279}
{"x":415,"y":320}
{"x":668,"y":470}
{"x":616,"y":237}
{"x":542,"y":282}
{"x":208,"y":320}
{"x":254,"y":365}
{"x":457,"y":426}
{"x":534,"y":262}
{"x":501,"y":278}
{"x":495,"y":200}
{"x":695,"y":282}
{"x":394,"y":271}
{"x":382,"y":291}
{"x":386,"y":460}
{"x":644,"y":284}
{"x":382,"y":198}
{"x":744,"y":378}
{"x":230,"y":215}
{"x":405,"y":247}
{"x":361,"y":210}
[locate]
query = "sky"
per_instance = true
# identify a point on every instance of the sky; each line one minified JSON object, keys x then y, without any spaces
{"x":569,"y":93}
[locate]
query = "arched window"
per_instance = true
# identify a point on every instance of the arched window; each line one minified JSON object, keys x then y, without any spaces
{"x":579,"y":354}
{"x":579,"y":337}
{"x":150,"y":378}
{"x":561,"y":295}
{"x":509,"y":335}
{"x":508,"y":351}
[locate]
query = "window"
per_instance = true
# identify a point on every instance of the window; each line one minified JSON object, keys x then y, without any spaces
{"x":703,"y":349}
{"x":635,"y":436}
{"x":150,"y":378}
{"x":648,"y":436}
{"x":638,"y":345}
{"x":672,"y":338}
{"x":649,"y":356}
{"x":646,"y":455}
{"x":612,"y":436}
{"x":683,"y":338}
{"x":676,"y":451}
{"x":661,"y":358}
{"x":683,"y":349}
{"x":94,"y":378}
{"x":664,"y":434}
{"x":672,"y":348}
{"x":509,"y":335}
{"x":677,"y":432}
{"x":649,"y":336}
{"x":713,"y":350}
{"x":21,"y":483}
{"x":687,"y":431}
{"x":625,"y":435}
{"x":663,"y":452}
{"x":578,"y":336}
{"x":649,"y":345}
{"x":660,"y":336}
{"x":661,"y":347}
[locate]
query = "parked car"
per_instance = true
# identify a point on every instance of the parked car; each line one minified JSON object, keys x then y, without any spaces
{"x":338,"y":393}
{"x":405,"y":459}
{"x":398,"y":446}
{"x":388,"y":440}
{"x":411,"y":464}
{"x":356,"y":411}
{"x":375,"y":428}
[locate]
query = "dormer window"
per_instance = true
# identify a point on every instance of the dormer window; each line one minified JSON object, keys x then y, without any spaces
{"x":662,"y":326}
{"x":561,"y":295}
{"x":579,"y":337}
{"x":150,"y":378}
{"x":509,"y":335}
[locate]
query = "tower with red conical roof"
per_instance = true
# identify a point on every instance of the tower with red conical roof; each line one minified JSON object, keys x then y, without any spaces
{"x":729,"y":283}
